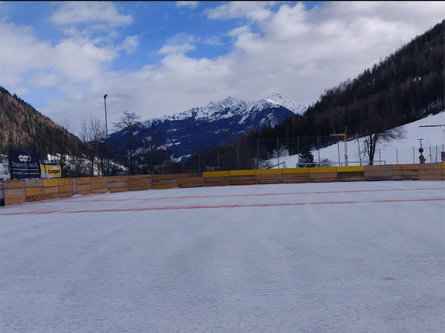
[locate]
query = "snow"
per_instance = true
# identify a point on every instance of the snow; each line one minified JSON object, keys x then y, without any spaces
{"x":332,"y":257}
{"x":287,"y":103}
{"x":401,"y":151}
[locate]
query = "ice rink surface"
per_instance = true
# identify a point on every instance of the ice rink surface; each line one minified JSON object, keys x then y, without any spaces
{"x":331,"y":257}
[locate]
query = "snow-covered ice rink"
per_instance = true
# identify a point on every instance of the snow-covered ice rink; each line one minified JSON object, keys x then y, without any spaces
{"x":331,"y":257}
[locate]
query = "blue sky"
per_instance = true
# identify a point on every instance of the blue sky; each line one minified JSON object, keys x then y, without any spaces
{"x":157,"y":58}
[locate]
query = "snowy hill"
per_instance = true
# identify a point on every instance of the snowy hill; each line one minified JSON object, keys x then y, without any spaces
{"x":404,"y":150}
{"x":217,"y":123}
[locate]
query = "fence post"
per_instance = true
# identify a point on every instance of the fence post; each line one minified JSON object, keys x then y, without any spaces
{"x":318,"y":147}
{"x":359,"y":153}
{"x":257,"y":154}
{"x":397,"y":156}
{"x":414,"y":159}
{"x":278,"y":151}
{"x":338,"y":149}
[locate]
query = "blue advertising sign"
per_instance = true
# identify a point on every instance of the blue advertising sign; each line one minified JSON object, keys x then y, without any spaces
{"x":24,"y":165}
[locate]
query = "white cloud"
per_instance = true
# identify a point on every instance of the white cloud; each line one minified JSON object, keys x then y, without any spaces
{"x":86,"y":12}
{"x":188,"y":4}
{"x":255,"y":10}
{"x":296,"y":52}
{"x":180,"y":43}
{"x":179,"y":48}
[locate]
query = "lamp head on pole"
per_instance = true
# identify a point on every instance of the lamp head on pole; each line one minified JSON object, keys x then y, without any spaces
{"x":105,"y":96}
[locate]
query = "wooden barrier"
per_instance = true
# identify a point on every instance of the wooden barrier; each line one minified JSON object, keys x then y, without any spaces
{"x":405,"y":172}
{"x":50,"y":189}
{"x":431,"y":171}
{"x":65,"y":187}
{"x":117,"y":183}
{"x":242,"y":177}
{"x":34,"y":190}
{"x":269,"y":176}
{"x":216,"y":178}
{"x":20,"y":191}
{"x":323,"y":174}
{"x":296,"y":175}
{"x":83,"y":185}
{"x":15,"y":192}
{"x":2,"y":193}
{"x":74,"y":185}
{"x":378,"y":172}
{"x":99,"y":185}
{"x":139,"y":183}
{"x":350,"y":173}
{"x":187,"y":180}
{"x":160,"y":182}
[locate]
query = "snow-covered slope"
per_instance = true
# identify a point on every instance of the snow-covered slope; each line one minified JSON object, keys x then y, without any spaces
{"x":404,"y":150}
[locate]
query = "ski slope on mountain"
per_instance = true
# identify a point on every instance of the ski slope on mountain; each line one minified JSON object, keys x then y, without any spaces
{"x":397,"y":151}
{"x":333,"y":257}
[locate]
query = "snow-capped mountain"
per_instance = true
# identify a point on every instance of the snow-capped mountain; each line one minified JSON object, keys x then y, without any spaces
{"x":216,"y":123}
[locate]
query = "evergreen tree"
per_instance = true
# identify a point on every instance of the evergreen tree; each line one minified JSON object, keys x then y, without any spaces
{"x":306,"y":159}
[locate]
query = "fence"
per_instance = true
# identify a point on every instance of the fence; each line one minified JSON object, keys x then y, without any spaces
{"x":326,"y":151}
{"x":20,"y":191}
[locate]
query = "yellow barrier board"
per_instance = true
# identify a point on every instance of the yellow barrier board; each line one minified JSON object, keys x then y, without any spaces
{"x":242,"y":173}
{"x":269,"y":171}
{"x":208,"y":174}
{"x":295,"y":170}
{"x":357,"y":168}
{"x":50,"y":182}
{"x":322,"y":170}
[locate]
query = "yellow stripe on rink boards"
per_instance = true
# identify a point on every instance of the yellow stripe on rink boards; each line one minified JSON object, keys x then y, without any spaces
{"x":269,"y":171}
{"x":242,"y":172}
{"x":357,"y":168}
{"x":323,"y":170}
{"x":295,"y":170}
{"x":208,"y":174}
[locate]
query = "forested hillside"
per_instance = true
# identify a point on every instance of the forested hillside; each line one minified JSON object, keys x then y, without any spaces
{"x":24,"y":128}
{"x":404,"y":87}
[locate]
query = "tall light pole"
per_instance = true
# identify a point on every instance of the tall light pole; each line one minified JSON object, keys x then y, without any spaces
{"x":106,"y":135}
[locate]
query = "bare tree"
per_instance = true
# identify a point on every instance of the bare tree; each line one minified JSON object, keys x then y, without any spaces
{"x":128,"y":124}
{"x":372,"y":139}
{"x":93,"y":133}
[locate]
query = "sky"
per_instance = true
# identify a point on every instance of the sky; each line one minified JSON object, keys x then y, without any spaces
{"x":162,"y":58}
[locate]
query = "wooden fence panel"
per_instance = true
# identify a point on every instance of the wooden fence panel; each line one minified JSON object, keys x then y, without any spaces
{"x":99,"y":185}
{"x":139,"y":183}
{"x":351,"y":173}
{"x":65,"y":187}
{"x":378,"y":172}
{"x":242,"y":177}
{"x":34,"y":190}
{"x":83,"y":185}
{"x":117,"y":184}
{"x":15,"y":192}
{"x":323,"y":174}
{"x":50,"y":189}
{"x":187,"y":180}
{"x":160,"y":182}
{"x":405,"y":172}
{"x":295,"y":175}
{"x":430,"y":171}
{"x":269,"y":176}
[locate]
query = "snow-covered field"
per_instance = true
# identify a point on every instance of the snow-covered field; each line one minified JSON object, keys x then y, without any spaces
{"x":333,"y":257}
{"x":397,"y":151}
